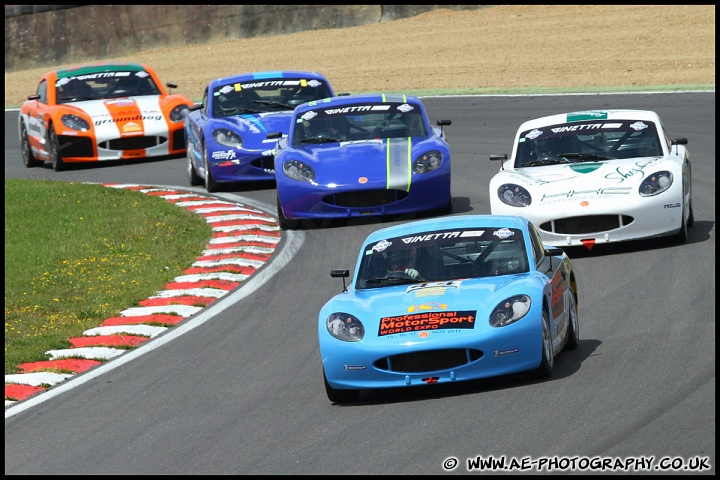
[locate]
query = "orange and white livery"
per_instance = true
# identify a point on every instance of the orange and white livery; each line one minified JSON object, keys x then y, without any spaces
{"x":101,"y":112}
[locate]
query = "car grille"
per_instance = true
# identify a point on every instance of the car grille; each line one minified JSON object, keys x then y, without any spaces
{"x":133,"y":143}
{"x":178,"y":139}
{"x":364,"y":198}
{"x":428,"y":361}
{"x":587,"y":224}
{"x":264,"y":163}
{"x":76,"y":147}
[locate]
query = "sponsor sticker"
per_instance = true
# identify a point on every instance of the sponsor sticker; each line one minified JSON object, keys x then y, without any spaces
{"x":533,"y":134}
{"x":587,"y":115}
{"x":381,"y":246}
{"x":503,"y":233}
{"x":427,"y":321}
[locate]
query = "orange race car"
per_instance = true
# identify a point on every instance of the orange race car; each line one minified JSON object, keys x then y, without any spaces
{"x":101,"y":112}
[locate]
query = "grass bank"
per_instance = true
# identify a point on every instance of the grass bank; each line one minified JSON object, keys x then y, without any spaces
{"x":76,"y":254}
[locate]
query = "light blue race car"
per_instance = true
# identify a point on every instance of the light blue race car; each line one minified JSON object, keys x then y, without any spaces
{"x":361,"y":155}
{"x":446,"y":300}
{"x":227,"y":134}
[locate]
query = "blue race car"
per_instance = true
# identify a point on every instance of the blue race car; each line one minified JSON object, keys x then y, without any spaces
{"x":446,"y":300}
{"x":361,"y":155}
{"x":227,"y":135}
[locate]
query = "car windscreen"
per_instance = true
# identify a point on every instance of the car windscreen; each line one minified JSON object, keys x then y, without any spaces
{"x":442,"y":255}
{"x":587,"y":142}
{"x":98,"y":85}
{"x":357,"y":122}
{"x":268,"y":95}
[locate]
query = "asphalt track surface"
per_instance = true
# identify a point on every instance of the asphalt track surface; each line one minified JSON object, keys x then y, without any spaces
{"x":241,"y":391}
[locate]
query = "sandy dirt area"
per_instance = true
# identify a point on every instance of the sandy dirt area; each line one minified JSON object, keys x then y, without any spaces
{"x":489,"y":50}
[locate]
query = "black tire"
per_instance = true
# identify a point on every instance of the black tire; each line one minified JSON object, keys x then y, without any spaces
{"x":54,"y":149}
{"x":193,"y":177}
{"x":340,"y":396}
{"x":682,"y":235}
{"x":547,"y":361}
{"x":447,"y":209}
{"x":573,"y":335}
{"x":691,"y":217}
{"x":283,"y":222}
{"x":28,"y":158}
{"x":210,"y":184}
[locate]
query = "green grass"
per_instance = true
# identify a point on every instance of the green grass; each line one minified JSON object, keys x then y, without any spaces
{"x":76,"y":254}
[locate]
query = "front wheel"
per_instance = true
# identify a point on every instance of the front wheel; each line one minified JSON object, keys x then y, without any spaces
{"x":340,"y":396}
{"x":447,"y":209}
{"x":28,"y":158}
{"x":573,"y":335}
{"x":283,"y":222}
{"x":193,"y":177}
{"x":682,"y":236}
{"x":54,"y":147}
{"x":547,"y":361}
{"x":210,"y":184}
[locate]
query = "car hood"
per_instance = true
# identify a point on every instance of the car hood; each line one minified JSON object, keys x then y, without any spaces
{"x":471,"y":300}
{"x":254,"y":128}
{"x":129,"y":116}
{"x":619,"y":173}
{"x":120,"y":109}
{"x":372,"y":161}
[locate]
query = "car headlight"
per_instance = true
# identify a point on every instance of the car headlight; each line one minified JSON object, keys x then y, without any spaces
{"x":179,"y":113}
{"x":299,"y":171}
{"x":75,"y":122}
{"x":345,"y":327}
{"x":226,"y":137}
{"x":510,"y":310}
{"x":514,"y":195}
{"x":427,"y":162}
{"x":656,"y":183}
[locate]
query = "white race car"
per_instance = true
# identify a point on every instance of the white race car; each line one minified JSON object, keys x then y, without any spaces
{"x":601,"y":176}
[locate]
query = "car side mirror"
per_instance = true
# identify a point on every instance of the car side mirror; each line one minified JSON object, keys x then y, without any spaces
{"x":502,"y":158}
{"x":341,"y":274}
{"x":551,"y":252}
{"x":443,"y":123}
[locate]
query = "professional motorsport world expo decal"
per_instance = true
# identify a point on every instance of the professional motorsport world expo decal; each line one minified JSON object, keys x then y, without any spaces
{"x":243,"y":239}
{"x":415,"y":322}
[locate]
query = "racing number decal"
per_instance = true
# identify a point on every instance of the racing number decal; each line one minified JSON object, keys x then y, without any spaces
{"x":399,"y":163}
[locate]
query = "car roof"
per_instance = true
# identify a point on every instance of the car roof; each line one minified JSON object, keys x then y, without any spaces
{"x":360,"y":98}
{"x":589,"y":115}
{"x":98,"y":68}
{"x":449,"y":222}
{"x":250,"y":76}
